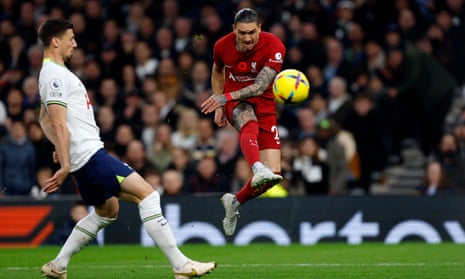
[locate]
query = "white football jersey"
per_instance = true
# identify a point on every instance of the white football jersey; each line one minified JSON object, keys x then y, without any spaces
{"x":58,"y":85}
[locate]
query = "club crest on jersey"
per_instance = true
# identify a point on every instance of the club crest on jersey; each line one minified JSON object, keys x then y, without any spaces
{"x":254,"y":67}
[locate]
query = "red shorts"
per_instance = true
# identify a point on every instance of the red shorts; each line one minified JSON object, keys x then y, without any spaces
{"x":268,"y":136}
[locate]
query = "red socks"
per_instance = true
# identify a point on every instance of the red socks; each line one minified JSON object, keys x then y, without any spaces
{"x":247,"y":192}
{"x":248,"y":141}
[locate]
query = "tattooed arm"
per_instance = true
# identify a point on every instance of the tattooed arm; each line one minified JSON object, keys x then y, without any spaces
{"x":262,"y":81}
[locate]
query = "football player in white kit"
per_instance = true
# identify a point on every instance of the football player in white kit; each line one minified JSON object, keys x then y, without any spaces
{"x":67,"y":118}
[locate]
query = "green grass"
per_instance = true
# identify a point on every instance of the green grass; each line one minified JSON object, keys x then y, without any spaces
{"x":407,"y":260}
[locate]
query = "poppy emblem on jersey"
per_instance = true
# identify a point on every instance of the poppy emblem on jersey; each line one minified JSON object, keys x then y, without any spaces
{"x":242,"y":67}
{"x":56,"y":84}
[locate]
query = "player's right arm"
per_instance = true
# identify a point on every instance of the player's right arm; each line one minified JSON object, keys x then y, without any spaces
{"x":53,"y":123}
{"x":217,"y":81}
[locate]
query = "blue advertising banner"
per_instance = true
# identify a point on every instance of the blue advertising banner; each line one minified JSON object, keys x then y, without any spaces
{"x":304,"y":220}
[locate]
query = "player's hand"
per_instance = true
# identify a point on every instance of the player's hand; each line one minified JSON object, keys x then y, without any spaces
{"x":212,"y":103}
{"x":54,"y":183}
{"x":220,"y":118}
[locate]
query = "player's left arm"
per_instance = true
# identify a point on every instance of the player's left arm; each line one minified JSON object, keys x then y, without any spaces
{"x":262,"y":81}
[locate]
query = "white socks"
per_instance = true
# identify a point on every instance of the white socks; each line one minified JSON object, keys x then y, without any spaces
{"x":159,"y":230}
{"x":84,"y":231}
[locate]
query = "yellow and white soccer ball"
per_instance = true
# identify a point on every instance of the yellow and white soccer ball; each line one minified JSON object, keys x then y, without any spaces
{"x":291,"y":86}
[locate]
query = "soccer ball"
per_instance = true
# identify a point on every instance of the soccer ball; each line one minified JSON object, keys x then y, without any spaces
{"x":291,"y":87}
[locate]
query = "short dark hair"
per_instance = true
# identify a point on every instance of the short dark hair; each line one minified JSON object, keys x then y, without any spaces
{"x":53,"y":28}
{"x":246,"y":15}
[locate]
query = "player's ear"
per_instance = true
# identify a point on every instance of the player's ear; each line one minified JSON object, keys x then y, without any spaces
{"x":55,"y":42}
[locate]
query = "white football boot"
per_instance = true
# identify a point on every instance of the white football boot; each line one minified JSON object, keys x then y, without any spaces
{"x":231,"y":208}
{"x":49,"y":271}
{"x":194,"y":269}
{"x":264,"y":175}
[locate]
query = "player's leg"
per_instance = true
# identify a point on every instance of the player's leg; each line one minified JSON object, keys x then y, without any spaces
{"x":272,"y":158}
{"x":246,"y":122}
{"x":231,"y":202}
{"x":84,"y":231}
{"x":136,"y":190}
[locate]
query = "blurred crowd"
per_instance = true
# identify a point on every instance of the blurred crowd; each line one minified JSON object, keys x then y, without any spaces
{"x":381,"y":72}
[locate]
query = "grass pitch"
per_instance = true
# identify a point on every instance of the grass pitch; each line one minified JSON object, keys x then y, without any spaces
{"x":370,"y":260}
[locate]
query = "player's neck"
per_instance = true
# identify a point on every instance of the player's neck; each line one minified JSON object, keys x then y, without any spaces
{"x":54,"y":57}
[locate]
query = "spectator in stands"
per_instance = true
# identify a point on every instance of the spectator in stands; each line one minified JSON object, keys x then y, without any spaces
{"x":320,"y":106}
{"x":129,"y":81}
{"x":147,"y":31}
{"x":134,"y":16}
{"x":447,"y":40}
{"x":182,"y":162}
{"x":435,"y":181}
{"x":319,"y":84}
{"x":14,"y":105}
{"x":106,"y":120}
{"x":124,"y":135}
{"x":42,"y":146}
{"x":34,"y":56}
{"x":309,"y":169}
{"x":199,"y":81}
{"x":169,"y":79}
{"x":127,"y":46}
{"x":132,"y":113}
{"x":206,"y":140}
{"x":164,"y":44}
{"x":364,"y":124}
{"x":17,"y":162}
{"x":228,"y":152}
{"x":168,"y":108}
{"x":135,"y":156}
{"x":183,"y":34}
{"x":452,"y":158}
{"x":186,"y":133}
{"x":81,"y":31}
{"x":153,"y":177}
{"x":172,"y":182}
{"x":336,"y":64}
{"x":334,"y":155}
{"x":31,"y":93}
{"x":110,"y":95}
{"x":307,"y":123}
{"x":150,"y":117}
{"x":205,"y":178}
{"x":159,"y":153}
{"x":432,"y":95}
{"x":146,"y":63}
{"x":340,"y":101}
{"x":92,"y":76}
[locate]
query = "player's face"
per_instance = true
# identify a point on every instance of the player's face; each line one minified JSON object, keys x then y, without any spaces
{"x":246,"y":35}
{"x":67,"y":44}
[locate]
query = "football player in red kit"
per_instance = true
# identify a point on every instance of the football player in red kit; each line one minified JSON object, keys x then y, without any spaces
{"x":245,"y":64}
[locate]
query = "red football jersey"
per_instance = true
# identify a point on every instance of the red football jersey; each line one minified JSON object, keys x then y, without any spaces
{"x":241,"y":68}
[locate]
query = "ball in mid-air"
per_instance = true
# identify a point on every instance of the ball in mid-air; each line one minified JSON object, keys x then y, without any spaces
{"x":291,"y":87}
